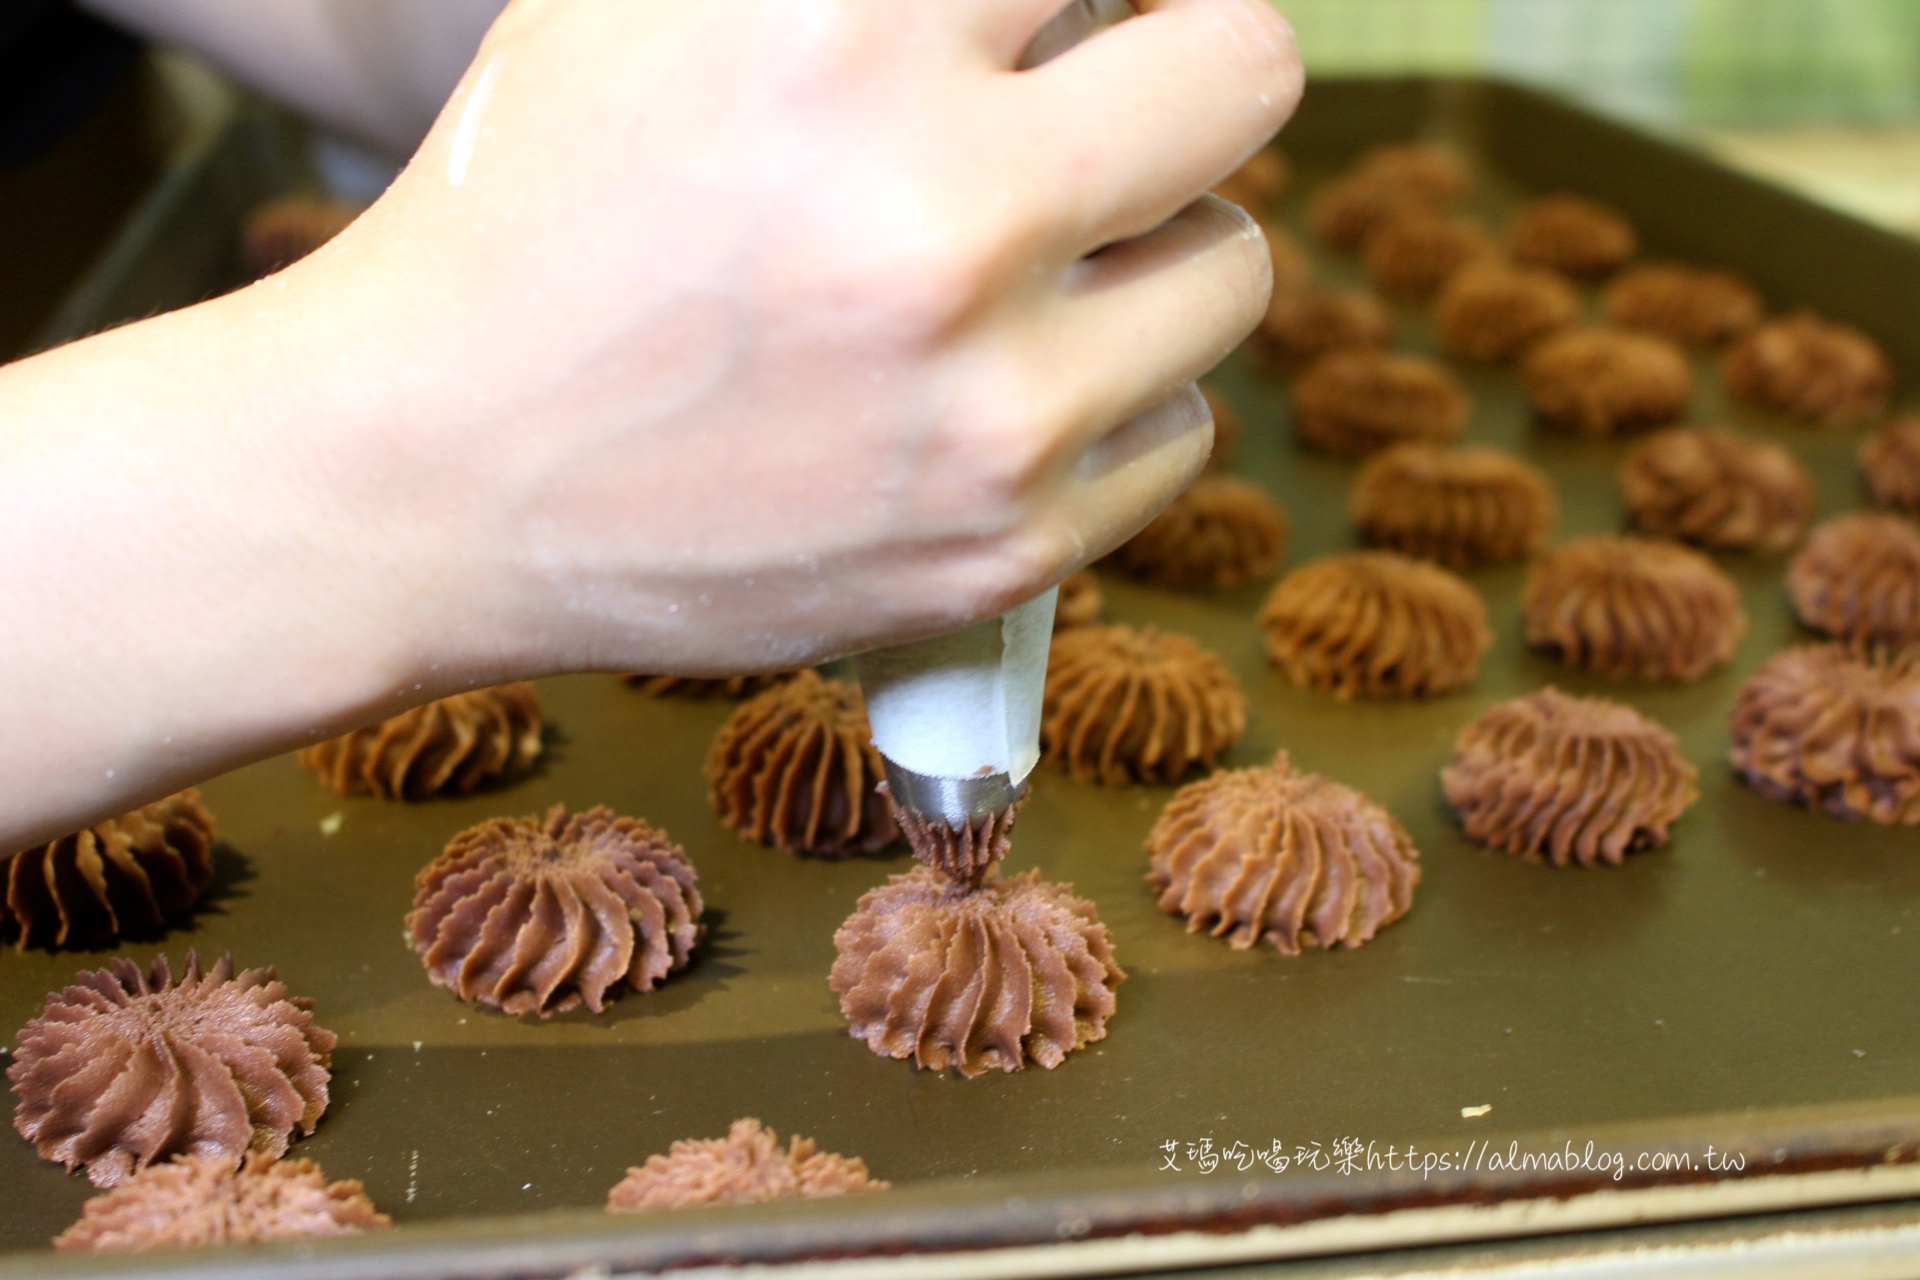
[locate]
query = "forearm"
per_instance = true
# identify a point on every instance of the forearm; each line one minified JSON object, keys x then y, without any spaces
{"x":182,"y":593}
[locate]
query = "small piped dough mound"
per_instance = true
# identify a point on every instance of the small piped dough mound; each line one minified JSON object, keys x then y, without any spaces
{"x":281,"y":232}
{"x":1692,"y":306}
{"x":1890,"y":458}
{"x":1374,"y":624}
{"x":126,"y":877}
{"x":1833,"y":728}
{"x":1717,"y":489}
{"x":796,"y":768}
{"x":192,"y":1202}
{"x":1226,"y":427}
{"x":454,"y":746}
{"x":1274,"y":854}
{"x":1354,"y":403}
{"x":542,"y":914}
{"x":1386,"y":181}
{"x":1807,"y":367}
{"x":1598,"y":382}
{"x":1496,"y":313}
{"x":748,"y":1166}
{"x":125,"y":1068}
{"x":1858,"y":578}
{"x":1014,"y":971}
{"x":1630,"y":607}
{"x":1125,"y":706}
{"x":1303,"y":325}
{"x":731,"y":687}
{"x":1463,"y":507}
{"x":1080,"y":602}
{"x":1222,"y":532}
{"x":1423,"y":171}
{"x":1348,"y":210}
{"x":1413,"y":255}
{"x":1573,"y":235}
{"x":1568,"y":779}
{"x":1258,"y":183}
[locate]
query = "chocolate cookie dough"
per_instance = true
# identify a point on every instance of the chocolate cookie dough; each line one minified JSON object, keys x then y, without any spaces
{"x":1632,"y":607}
{"x":454,"y":746}
{"x":1890,"y":460}
{"x":1808,"y":367}
{"x":1125,"y":706}
{"x":1424,"y":171}
{"x":1303,"y":325}
{"x":748,"y":1166}
{"x":1495,"y":313}
{"x":1353,"y":403}
{"x":1569,"y":780}
{"x":196,"y":1201}
{"x":1858,"y":578}
{"x":1374,"y":624}
{"x":1412,"y":255}
{"x":1692,"y":306}
{"x":1573,"y":235}
{"x":1599,"y":382}
{"x":796,"y":767}
{"x":1714,"y":488}
{"x":1277,"y":855}
{"x":1384,"y":182}
{"x":1463,"y":507}
{"x":1222,"y":532}
{"x":1834,"y":727}
{"x":539,"y":915}
{"x":127,"y":1067}
{"x":1349,"y":209}
{"x":917,"y":948}
{"x":123,"y":878}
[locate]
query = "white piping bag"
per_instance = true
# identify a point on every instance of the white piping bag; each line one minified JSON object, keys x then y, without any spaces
{"x":957,"y":717}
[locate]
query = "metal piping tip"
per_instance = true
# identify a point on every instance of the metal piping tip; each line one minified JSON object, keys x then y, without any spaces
{"x":959,"y":802}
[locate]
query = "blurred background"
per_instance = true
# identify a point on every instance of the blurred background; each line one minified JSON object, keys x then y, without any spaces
{"x":1823,"y":95}
{"x":115,"y":142}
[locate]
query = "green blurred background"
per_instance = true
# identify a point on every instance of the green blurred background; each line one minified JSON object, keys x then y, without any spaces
{"x":1823,"y":95}
{"x":1716,"y":62}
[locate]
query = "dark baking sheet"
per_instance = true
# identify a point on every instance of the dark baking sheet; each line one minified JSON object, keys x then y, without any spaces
{"x":1752,"y":983}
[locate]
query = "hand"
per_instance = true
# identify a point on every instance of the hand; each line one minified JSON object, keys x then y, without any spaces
{"x":742,"y":334}
{"x":697,"y":338}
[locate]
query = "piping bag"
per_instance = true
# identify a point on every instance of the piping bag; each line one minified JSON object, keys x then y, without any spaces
{"x":956,"y":717}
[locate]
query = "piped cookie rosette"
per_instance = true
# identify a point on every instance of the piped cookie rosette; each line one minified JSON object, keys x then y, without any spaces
{"x":954,"y":965}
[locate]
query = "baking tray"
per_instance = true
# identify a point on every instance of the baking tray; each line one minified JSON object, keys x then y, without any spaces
{"x":1749,"y":987}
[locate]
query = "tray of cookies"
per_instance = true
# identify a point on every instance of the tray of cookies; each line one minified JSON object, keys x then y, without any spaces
{"x":1511,"y":745}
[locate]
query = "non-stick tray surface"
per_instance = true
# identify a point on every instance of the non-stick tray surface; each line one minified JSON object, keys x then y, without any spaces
{"x":1767,"y":962}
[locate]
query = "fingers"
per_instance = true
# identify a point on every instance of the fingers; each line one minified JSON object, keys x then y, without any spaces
{"x":1136,"y":322}
{"x":1147,"y":114}
{"x":1116,"y":487}
{"x":1129,"y":476}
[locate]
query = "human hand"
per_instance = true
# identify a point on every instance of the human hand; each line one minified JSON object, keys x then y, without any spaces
{"x":698,"y":338}
{"x":742,"y":334}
